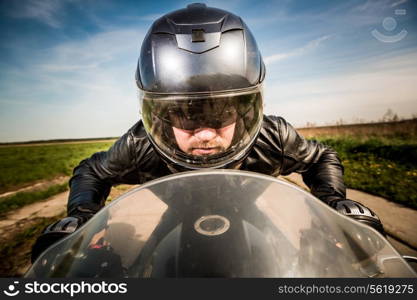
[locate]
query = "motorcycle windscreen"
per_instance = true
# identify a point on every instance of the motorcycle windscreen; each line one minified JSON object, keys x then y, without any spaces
{"x":220,"y":223}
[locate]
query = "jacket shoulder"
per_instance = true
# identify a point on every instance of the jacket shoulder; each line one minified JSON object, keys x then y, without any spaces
{"x":146,"y":160}
{"x":271,"y":133}
{"x":266,"y":154}
{"x":275,"y":123}
{"x":139,"y":145}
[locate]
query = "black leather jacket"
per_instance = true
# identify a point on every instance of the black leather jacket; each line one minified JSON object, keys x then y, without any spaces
{"x":278,"y":150}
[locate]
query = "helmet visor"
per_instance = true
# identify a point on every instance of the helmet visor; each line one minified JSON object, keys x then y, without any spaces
{"x":200,"y":113}
{"x":203,"y":130}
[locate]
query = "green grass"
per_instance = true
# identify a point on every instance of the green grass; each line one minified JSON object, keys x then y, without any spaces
{"x":380,"y":166}
{"x":23,"y":198}
{"x":15,"y":253}
{"x":22,"y":165}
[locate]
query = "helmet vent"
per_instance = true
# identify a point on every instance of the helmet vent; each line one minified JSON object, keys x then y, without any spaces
{"x":197,"y":35}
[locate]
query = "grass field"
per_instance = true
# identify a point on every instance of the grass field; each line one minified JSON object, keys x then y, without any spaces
{"x":380,"y":159}
{"x":24,"y":198}
{"x":24,"y":165}
{"x":15,"y":253}
{"x":379,"y":167}
{"x":15,"y":250}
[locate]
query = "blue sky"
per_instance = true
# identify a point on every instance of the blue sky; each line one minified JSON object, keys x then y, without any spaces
{"x":67,"y":66}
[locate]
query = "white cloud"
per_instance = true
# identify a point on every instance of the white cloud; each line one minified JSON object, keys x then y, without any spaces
{"x":45,"y":11}
{"x":150,"y":17}
{"x":310,"y":46}
{"x":83,"y":89}
{"x":373,"y":6}
{"x":398,"y":3}
{"x":92,"y":53}
{"x":378,"y":6}
{"x":366,"y":93}
{"x":341,"y":15}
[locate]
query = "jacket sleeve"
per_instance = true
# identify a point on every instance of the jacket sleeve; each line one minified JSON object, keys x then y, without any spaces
{"x":93,"y":178}
{"x":319,"y":165}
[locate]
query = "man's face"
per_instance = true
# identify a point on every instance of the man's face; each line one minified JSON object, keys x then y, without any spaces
{"x":204,"y":141}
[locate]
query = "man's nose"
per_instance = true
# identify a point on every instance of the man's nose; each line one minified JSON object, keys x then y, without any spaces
{"x":205,"y":134}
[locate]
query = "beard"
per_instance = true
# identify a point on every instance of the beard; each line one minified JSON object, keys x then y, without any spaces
{"x":206,"y":148}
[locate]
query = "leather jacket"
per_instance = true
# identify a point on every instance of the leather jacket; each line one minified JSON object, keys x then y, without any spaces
{"x":278,"y":150}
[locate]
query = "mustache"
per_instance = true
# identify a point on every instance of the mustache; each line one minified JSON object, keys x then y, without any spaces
{"x":204,"y":145}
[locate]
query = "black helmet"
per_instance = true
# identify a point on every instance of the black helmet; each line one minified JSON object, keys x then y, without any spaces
{"x":200,"y":75}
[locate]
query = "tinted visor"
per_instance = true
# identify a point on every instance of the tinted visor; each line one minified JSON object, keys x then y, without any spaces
{"x":192,"y":114}
{"x":163,"y":113}
{"x":202,"y":113}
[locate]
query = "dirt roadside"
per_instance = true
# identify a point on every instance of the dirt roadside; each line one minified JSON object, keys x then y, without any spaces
{"x":400,"y":222}
{"x":19,"y":228}
{"x":37,"y":186}
{"x":25,"y":219}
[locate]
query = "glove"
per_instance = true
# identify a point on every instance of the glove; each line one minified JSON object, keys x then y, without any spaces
{"x":60,"y":229}
{"x":359,"y":212}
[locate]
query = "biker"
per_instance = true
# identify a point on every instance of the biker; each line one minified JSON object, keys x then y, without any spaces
{"x":200,"y":77}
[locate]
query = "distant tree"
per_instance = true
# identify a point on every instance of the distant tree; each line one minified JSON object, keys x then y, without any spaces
{"x":390,"y":116}
{"x":358,"y":120}
{"x":340,"y":122}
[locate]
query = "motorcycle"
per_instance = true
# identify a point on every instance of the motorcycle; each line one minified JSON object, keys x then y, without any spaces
{"x":220,"y":223}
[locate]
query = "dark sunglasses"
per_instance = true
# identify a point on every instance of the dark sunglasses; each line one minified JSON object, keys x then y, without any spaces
{"x":194,"y":114}
{"x":189,"y":120}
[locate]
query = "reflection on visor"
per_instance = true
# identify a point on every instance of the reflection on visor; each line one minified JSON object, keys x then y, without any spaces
{"x":163,"y":114}
{"x":204,"y":113}
{"x":188,"y":119}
